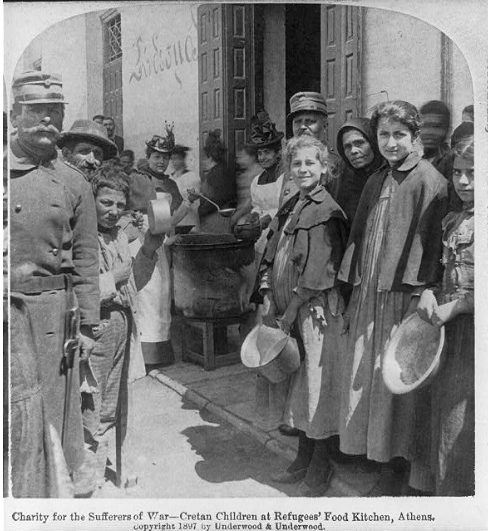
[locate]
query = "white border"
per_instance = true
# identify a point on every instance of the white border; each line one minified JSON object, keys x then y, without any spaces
{"x":465,"y":22}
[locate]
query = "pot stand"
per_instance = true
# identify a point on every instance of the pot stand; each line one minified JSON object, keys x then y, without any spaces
{"x":214,"y":351}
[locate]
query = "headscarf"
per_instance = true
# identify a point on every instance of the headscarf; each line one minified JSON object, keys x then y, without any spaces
{"x":352,"y":180}
{"x":363,"y":125}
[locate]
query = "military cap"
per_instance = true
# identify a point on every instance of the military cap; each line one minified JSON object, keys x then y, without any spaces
{"x":307,"y":102}
{"x":89,"y":131}
{"x":37,"y":87}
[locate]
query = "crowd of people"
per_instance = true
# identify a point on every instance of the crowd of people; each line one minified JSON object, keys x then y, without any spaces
{"x":347,"y":247}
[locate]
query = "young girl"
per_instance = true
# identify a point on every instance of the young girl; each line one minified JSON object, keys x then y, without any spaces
{"x":453,"y":388}
{"x":392,"y":255}
{"x":298,"y":282}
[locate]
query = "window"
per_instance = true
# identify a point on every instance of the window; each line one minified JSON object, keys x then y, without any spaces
{"x":113,"y":39}
{"x":112,"y":68}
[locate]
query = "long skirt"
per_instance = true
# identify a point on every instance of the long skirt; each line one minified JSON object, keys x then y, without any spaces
{"x":453,"y":412}
{"x":313,"y":403}
{"x":373,"y":420}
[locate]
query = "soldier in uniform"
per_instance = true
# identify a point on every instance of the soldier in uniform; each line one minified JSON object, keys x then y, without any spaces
{"x":53,"y":268}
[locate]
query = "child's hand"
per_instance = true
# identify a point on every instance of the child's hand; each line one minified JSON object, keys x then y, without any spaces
{"x":152,"y":242}
{"x":289,"y":317}
{"x":446,"y":312}
{"x":138,"y":219}
{"x":427,"y":305}
{"x":121,"y":272}
{"x":192,"y":195}
{"x":269,"y":310}
{"x":173,"y":239}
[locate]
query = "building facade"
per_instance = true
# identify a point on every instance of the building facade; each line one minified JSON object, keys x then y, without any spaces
{"x":206,"y":66}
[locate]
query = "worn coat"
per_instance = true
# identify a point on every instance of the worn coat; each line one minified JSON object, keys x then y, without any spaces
{"x":411,"y":255}
{"x":52,"y":232}
{"x":303,"y":254}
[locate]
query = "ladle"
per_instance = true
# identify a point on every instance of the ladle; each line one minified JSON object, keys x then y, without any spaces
{"x":225,"y":212}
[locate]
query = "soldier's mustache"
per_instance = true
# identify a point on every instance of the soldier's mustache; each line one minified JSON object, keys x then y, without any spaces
{"x":43,"y":129}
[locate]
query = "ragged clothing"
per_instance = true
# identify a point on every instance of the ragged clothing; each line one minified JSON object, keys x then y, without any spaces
{"x":117,"y":357}
{"x":302,"y":257}
{"x":453,"y":393}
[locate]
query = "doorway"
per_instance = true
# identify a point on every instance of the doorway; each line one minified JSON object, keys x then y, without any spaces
{"x":302,"y":36}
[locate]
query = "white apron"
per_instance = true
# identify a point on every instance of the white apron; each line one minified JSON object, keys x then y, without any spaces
{"x":154,"y":299}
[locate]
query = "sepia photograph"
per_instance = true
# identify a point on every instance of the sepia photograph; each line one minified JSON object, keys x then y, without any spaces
{"x":239,"y":265}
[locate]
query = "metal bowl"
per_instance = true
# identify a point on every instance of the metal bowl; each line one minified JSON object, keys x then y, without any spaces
{"x":271,"y":353}
{"x":413,"y":355}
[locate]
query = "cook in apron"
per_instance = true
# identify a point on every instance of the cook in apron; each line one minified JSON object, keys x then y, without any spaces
{"x":154,"y":299}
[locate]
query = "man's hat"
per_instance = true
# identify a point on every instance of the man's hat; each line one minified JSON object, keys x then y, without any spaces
{"x":263,"y":131}
{"x":37,"y":87}
{"x":307,"y":102}
{"x":163,"y":144}
{"x":92,"y":132}
{"x":180,"y":149}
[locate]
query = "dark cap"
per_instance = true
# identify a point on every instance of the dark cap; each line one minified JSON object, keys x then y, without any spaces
{"x":263,"y":132}
{"x":163,"y":144}
{"x":89,"y":131}
{"x":307,"y":102}
{"x":37,"y":87}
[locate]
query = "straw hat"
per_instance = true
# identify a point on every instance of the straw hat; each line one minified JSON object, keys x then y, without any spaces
{"x":159,"y":216}
{"x":413,"y":355}
{"x":271,"y":353}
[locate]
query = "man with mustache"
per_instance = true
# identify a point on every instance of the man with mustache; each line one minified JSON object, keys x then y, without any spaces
{"x":53,"y":268}
{"x":308,"y":113}
{"x":86,"y":146}
{"x":109,"y":124}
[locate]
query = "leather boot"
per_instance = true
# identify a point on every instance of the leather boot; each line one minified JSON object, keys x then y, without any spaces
{"x":319,"y":472}
{"x":297,"y":470}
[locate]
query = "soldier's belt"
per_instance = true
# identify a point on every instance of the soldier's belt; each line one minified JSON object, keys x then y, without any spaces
{"x":34,"y":285}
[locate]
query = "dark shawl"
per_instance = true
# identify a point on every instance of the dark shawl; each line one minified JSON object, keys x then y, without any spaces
{"x":351,"y":182}
{"x":319,"y":238}
{"x":413,"y":246}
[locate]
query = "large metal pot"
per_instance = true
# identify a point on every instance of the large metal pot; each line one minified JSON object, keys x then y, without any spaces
{"x":211,"y":275}
{"x":271,"y":353}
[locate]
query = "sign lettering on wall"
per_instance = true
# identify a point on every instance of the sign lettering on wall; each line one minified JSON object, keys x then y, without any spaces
{"x":154,"y":58}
